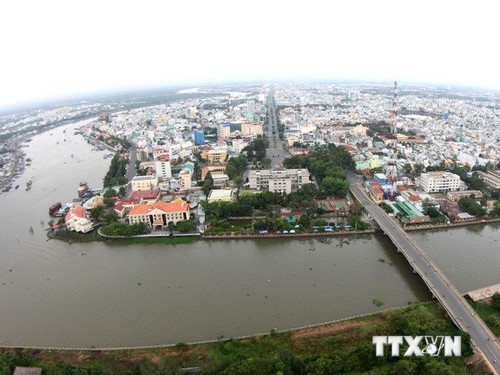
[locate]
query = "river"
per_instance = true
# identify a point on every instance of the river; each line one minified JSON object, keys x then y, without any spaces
{"x":120,"y":295}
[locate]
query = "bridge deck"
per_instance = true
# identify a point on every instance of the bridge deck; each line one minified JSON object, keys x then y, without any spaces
{"x":443,"y":290}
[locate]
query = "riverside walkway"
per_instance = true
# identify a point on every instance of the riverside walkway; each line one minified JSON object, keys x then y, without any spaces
{"x":459,"y":310}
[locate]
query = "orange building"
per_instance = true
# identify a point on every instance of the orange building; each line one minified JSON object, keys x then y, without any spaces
{"x":159,"y":214}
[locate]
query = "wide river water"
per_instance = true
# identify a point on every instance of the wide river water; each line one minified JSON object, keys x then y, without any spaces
{"x":120,"y":295}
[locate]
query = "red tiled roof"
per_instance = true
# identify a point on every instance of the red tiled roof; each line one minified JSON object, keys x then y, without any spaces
{"x":78,"y":211}
{"x":119,"y":207}
{"x":145,"y":194}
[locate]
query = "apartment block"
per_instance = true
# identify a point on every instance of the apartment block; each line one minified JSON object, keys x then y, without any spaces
{"x":280,"y":181}
{"x":435,"y":182}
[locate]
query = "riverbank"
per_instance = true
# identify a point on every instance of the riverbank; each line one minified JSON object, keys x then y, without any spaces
{"x":235,"y":236}
{"x":452,"y":225}
{"x":339,"y":347}
{"x":164,"y":236}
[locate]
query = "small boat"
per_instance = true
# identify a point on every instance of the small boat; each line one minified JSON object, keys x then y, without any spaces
{"x":17,"y":186}
{"x":82,"y":189}
{"x":53,"y":210}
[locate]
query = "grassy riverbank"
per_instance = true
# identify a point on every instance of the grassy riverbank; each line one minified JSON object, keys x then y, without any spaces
{"x":344,"y":347}
{"x":70,"y":236}
{"x":489,"y":314}
{"x":158,"y":240}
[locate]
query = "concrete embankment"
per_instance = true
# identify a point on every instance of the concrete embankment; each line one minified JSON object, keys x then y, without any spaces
{"x":451,"y":225}
{"x":278,"y":235}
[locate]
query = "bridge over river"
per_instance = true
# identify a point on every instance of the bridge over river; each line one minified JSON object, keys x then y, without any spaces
{"x":462,"y":314}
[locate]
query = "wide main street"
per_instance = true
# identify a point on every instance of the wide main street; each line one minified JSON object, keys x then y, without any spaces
{"x":276,"y":150}
{"x":444,"y":291}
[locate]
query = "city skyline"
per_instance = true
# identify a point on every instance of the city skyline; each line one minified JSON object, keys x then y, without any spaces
{"x":57,"y":49}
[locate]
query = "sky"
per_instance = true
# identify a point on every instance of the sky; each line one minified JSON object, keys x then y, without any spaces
{"x":51,"y":48}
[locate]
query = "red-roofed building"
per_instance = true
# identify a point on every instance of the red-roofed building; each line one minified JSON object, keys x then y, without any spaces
{"x":160,"y":214}
{"x":145,"y":196}
{"x":402,"y":188}
{"x":299,"y":151}
{"x":414,"y":198}
{"x":349,"y":149}
{"x":377,"y":194}
{"x":76,"y":220}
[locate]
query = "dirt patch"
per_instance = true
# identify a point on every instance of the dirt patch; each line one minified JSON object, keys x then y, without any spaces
{"x":308,"y":334}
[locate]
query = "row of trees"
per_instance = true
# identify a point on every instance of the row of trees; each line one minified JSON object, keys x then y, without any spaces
{"x":116,"y":228}
{"x":266,"y":203}
{"x":116,"y":173}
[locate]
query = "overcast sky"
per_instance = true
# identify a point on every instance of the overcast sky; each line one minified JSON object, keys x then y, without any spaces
{"x":53,"y":48}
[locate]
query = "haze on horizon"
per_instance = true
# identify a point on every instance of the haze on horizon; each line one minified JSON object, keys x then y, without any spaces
{"x":53,"y":49}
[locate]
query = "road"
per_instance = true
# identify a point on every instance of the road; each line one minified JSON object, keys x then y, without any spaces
{"x":276,"y":151}
{"x":131,"y":168}
{"x":483,"y":340}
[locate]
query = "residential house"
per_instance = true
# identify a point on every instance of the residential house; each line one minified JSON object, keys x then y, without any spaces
{"x":76,"y":220}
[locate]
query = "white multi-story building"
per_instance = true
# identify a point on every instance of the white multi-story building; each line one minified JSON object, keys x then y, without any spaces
{"x":185,"y":179}
{"x":434,"y":182}
{"x":224,"y":131}
{"x":76,"y":220}
{"x":466,"y":159}
{"x":161,"y":157}
{"x":139,"y":183}
{"x":281,"y":181}
{"x":252,"y":128}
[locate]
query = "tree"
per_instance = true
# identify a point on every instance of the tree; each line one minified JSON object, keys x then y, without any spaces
{"x":110,"y":217}
{"x":186,"y":226}
{"x":336,"y":187}
{"x":236,"y":166}
{"x":208,"y":184}
{"x":470,"y":205}
{"x":96,"y":212}
{"x":495,"y":301}
{"x":496,"y":208}
{"x":108,"y":202}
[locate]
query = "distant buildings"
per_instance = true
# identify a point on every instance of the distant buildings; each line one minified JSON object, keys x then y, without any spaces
{"x":199,"y":137}
{"x":436,"y":182}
